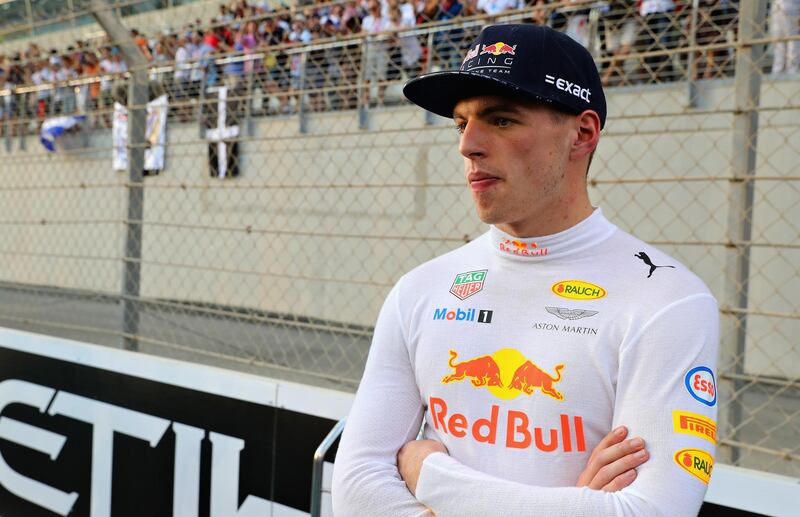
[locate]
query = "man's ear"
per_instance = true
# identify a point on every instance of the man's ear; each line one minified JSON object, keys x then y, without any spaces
{"x":587,"y":137}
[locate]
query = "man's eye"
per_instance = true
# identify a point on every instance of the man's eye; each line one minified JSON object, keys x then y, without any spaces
{"x":503,"y":122}
{"x":460,"y":128}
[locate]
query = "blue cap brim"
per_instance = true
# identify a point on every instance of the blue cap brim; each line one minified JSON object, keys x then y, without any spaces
{"x":439,"y":92}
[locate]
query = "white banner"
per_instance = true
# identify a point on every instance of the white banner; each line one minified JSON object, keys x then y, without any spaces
{"x":155,"y":135}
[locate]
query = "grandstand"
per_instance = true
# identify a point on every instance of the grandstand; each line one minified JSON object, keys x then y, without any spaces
{"x":270,"y":250}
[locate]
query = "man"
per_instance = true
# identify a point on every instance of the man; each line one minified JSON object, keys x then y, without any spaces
{"x":523,"y":348}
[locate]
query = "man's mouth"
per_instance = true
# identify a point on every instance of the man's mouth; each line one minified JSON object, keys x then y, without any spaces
{"x":481,"y":181}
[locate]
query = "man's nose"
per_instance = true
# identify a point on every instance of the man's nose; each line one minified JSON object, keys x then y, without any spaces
{"x":473,"y":140}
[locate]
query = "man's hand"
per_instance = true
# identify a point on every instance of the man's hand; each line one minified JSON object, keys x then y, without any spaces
{"x":613,"y":462}
{"x":410,"y":458}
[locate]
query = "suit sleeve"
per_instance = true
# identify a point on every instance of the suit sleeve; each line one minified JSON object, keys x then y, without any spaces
{"x":386,"y":414}
{"x":661,"y":372}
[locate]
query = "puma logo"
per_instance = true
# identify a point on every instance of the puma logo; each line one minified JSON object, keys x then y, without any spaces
{"x":643,"y":256}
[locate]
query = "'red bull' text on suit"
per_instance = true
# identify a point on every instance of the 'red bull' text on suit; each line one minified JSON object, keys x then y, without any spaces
{"x":520,"y":355}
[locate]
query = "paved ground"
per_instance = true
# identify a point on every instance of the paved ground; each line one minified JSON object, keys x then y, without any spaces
{"x":316,"y":353}
{"x":273,"y":345}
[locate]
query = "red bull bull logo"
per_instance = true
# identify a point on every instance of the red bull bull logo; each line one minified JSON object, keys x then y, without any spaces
{"x":506,"y":374}
{"x":498,"y":48}
{"x":520,"y":431}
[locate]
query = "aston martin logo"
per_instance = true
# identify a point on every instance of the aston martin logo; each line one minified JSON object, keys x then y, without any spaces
{"x":570,"y":314}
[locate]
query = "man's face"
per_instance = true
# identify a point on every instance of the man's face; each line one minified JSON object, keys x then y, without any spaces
{"x":515,"y":159}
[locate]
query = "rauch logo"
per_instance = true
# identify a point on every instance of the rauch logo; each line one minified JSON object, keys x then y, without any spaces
{"x":696,"y":462}
{"x":578,"y":290}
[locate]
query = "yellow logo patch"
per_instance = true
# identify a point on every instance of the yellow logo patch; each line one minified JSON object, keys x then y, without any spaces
{"x":696,"y":462}
{"x":578,"y":290}
{"x":695,"y":425}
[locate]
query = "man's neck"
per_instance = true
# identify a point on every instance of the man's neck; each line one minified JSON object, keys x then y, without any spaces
{"x":551,"y":220}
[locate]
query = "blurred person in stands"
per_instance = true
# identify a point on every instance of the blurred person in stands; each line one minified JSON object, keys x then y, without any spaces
{"x":660,"y":34}
{"x":233,"y":69}
{"x":426,"y":10}
{"x":402,"y":17}
{"x":621,"y":27}
{"x":43,"y":77}
{"x":350,"y":62}
{"x":471,"y":9}
{"x":197,"y":73}
{"x":492,"y":7}
{"x":316,"y":69}
{"x":15,"y":75}
{"x":6,"y":97}
{"x":710,"y":23}
{"x":331,"y":28}
{"x":225,"y":14}
{"x":65,"y":92}
{"x":447,"y":44}
{"x":577,"y":18}
{"x":298,"y":36}
{"x":91,"y":68}
{"x":206,"y":55}
{"x":141,"y":42}
{"x":181,"y":78}
{"x":377,"y":47}
{"x":352,"y":10}
{"x":540,"y":13}
{"x":334,"y":17}
{"x":160,"y":57}
{"x":273,"y":38}
{"x":107,"y":68}
{"x":784,"y":22}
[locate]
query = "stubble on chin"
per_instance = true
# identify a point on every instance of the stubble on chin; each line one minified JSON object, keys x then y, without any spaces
{"x":489,"y":212}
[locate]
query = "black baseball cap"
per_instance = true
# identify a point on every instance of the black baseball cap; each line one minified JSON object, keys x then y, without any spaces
{"x":522,"y":60}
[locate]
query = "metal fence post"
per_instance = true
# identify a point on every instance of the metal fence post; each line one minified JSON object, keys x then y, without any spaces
{"x":691,"y":58}
{"x":747,"y":86}
{"x":430,"y":119}
{"x":137,"y":109}
{"x":301,"y":96}
{"x":363,"y":90}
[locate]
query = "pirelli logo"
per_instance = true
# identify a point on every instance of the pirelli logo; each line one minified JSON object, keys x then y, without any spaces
{"x":694,"y":424}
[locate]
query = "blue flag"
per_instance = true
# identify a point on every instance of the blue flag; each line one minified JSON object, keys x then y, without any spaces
{"x":54,"y":127}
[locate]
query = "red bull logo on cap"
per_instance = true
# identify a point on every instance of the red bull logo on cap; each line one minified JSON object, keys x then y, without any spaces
{"x":498,"y":48}
{"x":506,"y":374}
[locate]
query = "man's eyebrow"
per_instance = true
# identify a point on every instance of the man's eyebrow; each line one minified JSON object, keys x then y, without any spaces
{"x":492,"y":110}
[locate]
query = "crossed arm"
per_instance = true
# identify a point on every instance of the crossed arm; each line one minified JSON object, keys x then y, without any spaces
{"x":611,"y":466}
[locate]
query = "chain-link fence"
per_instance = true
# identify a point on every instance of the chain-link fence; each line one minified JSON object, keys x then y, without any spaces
{"x":289,"y":184}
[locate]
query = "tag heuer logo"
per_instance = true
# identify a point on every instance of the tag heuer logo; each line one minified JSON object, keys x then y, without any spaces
{"x":467,"y":284}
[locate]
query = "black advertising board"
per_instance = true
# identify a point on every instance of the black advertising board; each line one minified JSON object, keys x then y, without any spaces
{"x":93,"y":431}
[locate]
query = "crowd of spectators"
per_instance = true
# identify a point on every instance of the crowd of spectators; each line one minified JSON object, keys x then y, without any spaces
{"x":249,"y":45}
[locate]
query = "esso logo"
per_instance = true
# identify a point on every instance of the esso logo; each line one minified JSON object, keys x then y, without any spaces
{"x":701,"y":385}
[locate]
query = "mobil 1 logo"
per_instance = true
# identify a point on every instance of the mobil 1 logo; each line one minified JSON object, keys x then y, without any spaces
{"x":467,"y":315}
